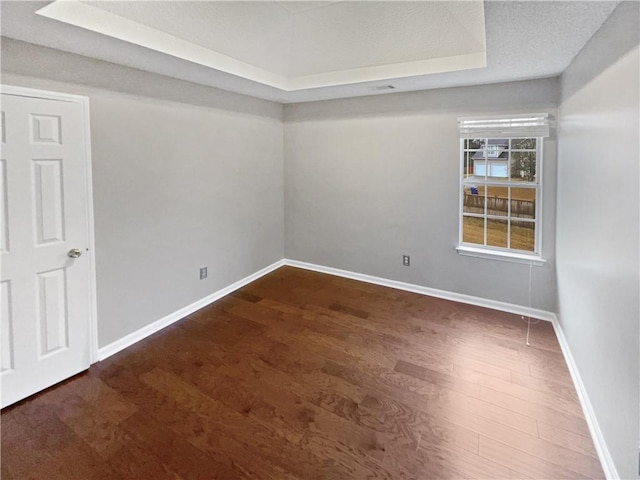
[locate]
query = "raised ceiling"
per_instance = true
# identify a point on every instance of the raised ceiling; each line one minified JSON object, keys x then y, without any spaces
{"x":333,"y":44}
{"x":300,"y":51}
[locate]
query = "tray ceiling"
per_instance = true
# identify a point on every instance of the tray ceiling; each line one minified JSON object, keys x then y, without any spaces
{"x":297,"y":51}
{"x":333,"y":44}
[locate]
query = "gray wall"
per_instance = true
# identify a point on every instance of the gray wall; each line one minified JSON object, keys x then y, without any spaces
{"x":369,"y":179}
{"x":183,"y":176}
{"x":597,"y":230}
{"x":186,"y":176}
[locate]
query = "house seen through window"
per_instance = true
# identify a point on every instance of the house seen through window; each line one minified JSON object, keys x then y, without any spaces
{"x":501,"y":184}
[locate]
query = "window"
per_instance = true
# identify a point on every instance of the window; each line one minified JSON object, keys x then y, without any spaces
{"x":501,"y":185}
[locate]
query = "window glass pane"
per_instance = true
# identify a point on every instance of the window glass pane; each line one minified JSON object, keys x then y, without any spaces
{"x":523,"y":235}
{"x":474,"y":143}
{"x":473,"y":199}
{"x":503,"y":214}
{"x":468,"y":164}
{"x":497,"y":169}
{"x":473,"y":230}
{"x":497,"y":233}
{"x":523,"y":143}
{"x":523,"y":166}
{"x":523,"y":203}
{"x":479,"y":163}
{"x":497,"y":201}
{"x":497,"y":148}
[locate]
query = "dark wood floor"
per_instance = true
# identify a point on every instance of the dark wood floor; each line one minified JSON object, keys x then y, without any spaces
{"x":302,"y":375}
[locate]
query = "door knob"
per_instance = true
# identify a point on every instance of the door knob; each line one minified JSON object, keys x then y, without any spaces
{"x":74,"y":253}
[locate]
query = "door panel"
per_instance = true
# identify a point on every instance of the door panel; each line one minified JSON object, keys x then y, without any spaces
{"x":4,"y":218}
{"x":7,"y":326}
{"x":47,"y":202}
{"x":52,"y":311}
{"x":46,"y":296}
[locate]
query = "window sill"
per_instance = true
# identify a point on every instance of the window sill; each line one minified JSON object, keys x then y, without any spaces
{"x":501,"y":256}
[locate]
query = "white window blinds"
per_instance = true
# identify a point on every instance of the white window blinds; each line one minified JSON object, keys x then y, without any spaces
{"x":507,"y":126}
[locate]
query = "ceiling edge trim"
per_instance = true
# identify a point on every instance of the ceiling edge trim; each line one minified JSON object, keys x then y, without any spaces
{"x":96,"y":20}
{"x":391,"y":71}
{"x":84,"y":16}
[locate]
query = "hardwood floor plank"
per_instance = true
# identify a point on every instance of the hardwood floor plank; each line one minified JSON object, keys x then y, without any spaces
{"x":349,"y":310}
{"x":559,"y":377}
{"x":243,"y":295}
{"x":532,"y":444}
{"x":269,"y":442}
{"x":526,"y":463}
{"x":547,"y":386}
{"x":432,"y":430}
{"x":570,"y":421}
{"x":301,"y":375}
{"x":325,"y":413}
{"x":578,"y":443}
{"x":442,"y":381}
{"x":103,"y":435}
{"x":483,"y":367}
{"x":60,"y":446}
{"x":22,"y":452}
{"x":207,"y":436}
{"x":132,"y":462}
{"x":539,"y":341}
{"x":552,"y":399}
{"x":469,"y":465}
{"x":103,"y":398}
{"x":176,"y":453}
{"x":461,"y":409}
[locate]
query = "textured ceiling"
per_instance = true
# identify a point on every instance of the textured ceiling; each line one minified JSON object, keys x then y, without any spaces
{"x":296,"y":7}
{"x":302,"y":51}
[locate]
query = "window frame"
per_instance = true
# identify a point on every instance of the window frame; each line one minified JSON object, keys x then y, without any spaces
{"x":495,"y":252}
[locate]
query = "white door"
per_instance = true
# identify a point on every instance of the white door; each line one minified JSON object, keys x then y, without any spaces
{"x":47,"y":272}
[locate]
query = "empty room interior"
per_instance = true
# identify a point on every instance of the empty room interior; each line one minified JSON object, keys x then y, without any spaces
{"x":320,"y":240}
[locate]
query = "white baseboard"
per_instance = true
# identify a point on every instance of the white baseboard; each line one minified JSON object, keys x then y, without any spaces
{"x":601,"y":447}
{"x":608,"y":466}
{"x":596,"y":434}
{"x":158,"y":325}
{"x":432,"y":292}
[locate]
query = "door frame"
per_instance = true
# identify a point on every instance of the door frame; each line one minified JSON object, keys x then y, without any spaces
{"x":88,"y":187}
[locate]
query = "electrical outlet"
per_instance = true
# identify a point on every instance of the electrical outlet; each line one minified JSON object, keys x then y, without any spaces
{"x":203,"y":273}
{"x":406,"y":260}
